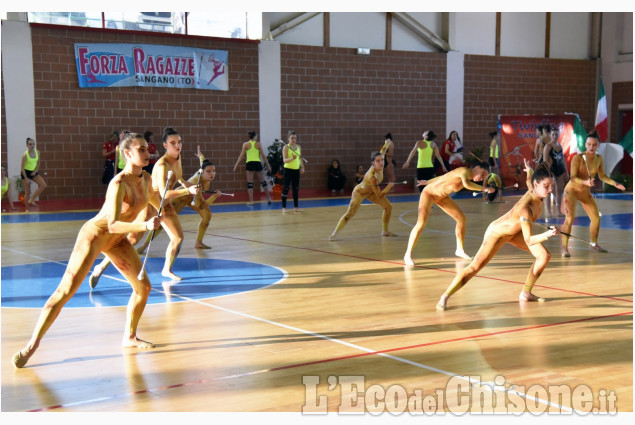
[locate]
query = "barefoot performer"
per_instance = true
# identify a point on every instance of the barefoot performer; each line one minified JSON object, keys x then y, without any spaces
{"x":128,"y":194}
{"x":369,"y":189}
{"x":583,"y":167}
{"x":171,"y":161}
{"x":514,"y":228}
{"x":197,"y":203}
{"x":438,"y":192}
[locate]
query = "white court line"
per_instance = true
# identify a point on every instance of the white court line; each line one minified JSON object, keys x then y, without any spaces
{"x":334,"y":340}
{"x":368,"y":350}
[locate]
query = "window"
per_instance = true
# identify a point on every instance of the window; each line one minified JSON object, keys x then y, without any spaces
{"x":216,"y":24}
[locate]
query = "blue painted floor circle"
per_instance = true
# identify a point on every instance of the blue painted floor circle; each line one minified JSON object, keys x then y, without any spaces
{"x":30,"y":285}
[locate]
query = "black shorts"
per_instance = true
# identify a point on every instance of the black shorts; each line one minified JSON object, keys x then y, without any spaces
{"x":30,"y":174}
{"x":425,"y":173}
{"x":492,"y":196}
{"x":254,"y":166}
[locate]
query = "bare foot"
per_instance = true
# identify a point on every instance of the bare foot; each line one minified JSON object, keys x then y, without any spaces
{"x":387,"y":233}
{"x":168,"y":273}
{"x":94,"y":279}
{"x":201,"y":245}
{"x":250,"y":204}
{"x":597,"y":247}
{"x":135,"y":342}
{"x":462,"y":254}
{"x":530,"y":297}
{"x":19,"y":360}
{"x":31,"y":202}
{"x":408,"y":260}
{"x":564,"y":252}
{"x":443,"y":303}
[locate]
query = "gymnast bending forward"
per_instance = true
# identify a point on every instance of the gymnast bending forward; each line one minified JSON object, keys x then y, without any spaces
{"x":437,"y":192}
{"x":514,"y":228}
{"x":129,"y":192}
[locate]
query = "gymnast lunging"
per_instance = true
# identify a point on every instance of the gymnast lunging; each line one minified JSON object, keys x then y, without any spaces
{"x":203,"y":179}
{"x":583,"y":167}
{"x":437,"y":191}
{"x":171,"y":161}
{"x":369,"y":189}
{"x":196,"y":202}
{"x":514,"y":228}
{"x":128,"y":193}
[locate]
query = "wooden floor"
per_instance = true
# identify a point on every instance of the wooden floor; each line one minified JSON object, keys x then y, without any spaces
{"x":349,"y":311}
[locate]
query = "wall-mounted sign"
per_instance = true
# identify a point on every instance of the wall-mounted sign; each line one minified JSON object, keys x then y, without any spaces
{"x":148,"y":65}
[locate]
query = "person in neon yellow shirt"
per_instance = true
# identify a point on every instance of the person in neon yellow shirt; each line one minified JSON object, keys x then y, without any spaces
{"x":252,"y":149}
{"x":6,"y":185}
{"x":30,"y":166}
{"x":425,"y":149}
{"x":293,"y":168}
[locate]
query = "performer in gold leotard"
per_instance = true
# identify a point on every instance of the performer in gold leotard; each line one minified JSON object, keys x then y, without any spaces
{"x":578,"y":189}
{"x":128,"y":194}
{"x":369,"y":189}
{"x":513,"y":228}
{"x":438,"y":192}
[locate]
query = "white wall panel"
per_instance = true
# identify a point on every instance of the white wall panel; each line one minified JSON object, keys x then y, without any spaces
{"x":570,"y":35}
{"x":523,"y":34}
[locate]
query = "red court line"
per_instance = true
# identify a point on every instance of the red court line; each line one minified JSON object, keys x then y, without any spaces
{"x":422,"y":267}
{"x":328,"y":360}
{"x":426,"y":344}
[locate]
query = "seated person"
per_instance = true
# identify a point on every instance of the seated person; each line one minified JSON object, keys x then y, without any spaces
{"x":336,"y":179}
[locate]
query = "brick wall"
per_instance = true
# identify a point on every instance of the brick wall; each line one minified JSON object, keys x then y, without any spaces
{"x":511,"y":85}
{"x":342,"y":104}
{"x":73,"y":123}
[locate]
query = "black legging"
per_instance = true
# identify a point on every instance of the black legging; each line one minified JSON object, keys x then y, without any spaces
{"x":291,"y":178}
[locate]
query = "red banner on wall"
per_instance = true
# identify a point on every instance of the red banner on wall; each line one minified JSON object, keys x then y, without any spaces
{"x":518,"y":139}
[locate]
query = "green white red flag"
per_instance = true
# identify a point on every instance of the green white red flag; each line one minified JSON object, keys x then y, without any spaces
{"x":601,"y":117}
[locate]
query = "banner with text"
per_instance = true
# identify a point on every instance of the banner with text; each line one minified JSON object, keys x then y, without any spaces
{"x":518,"y":139}
{"x":148,"y":65}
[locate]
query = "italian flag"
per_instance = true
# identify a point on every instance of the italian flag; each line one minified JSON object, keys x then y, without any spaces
{"x":627,"y":142}
{"x":601,"y":118}
{"x":578,"y":138}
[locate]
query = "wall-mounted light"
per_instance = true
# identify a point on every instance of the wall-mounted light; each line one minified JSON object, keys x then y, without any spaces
{"x":363,"y":51}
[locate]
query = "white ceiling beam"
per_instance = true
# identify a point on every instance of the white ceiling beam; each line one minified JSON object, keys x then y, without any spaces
{"x":423,"y":32}
{"x":292,"y":23}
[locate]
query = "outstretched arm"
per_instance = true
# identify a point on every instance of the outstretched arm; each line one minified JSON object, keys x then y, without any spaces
{"x":606,"y":179}
{"x":470,"y":185}
{"x":525,"y":225}
{"x":412,"y":153}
